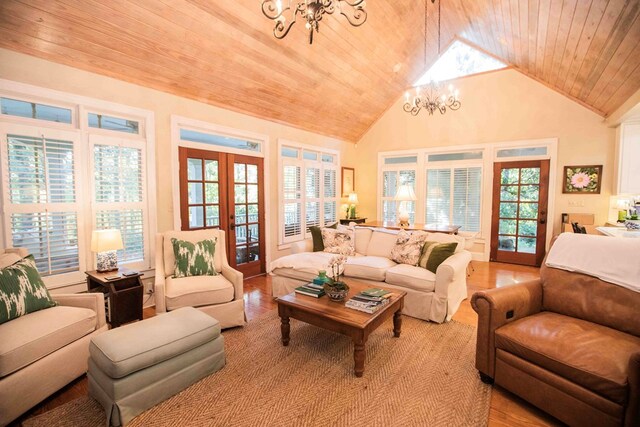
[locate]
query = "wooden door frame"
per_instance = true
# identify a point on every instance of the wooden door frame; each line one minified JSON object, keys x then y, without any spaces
{"x":541,"y":238}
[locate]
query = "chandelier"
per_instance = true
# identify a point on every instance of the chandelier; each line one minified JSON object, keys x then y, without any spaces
{"x":430,"y":97}
{"x":312,"y":12}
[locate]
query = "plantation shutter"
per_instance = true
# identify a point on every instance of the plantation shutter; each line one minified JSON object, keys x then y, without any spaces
{"x":41,"y":205}
{"x":438,"y":200}
{"x":330,"y":196}
{"x":389,"y":188}
{"x":466,"y":198}
{"x":119,"y":194}
{"x":292,"y":193}
{"x":312,"y":199}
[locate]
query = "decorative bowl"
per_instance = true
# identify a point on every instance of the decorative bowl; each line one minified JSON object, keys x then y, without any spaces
{"x":632,"y":224}
{"x":337,"y":294}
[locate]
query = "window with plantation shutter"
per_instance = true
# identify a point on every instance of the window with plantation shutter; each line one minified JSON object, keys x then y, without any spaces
{"x":41,"y":209}
{"x":119,"y":193}
{"x":454,"y":197}
{"x":309,"y":191}
{"x":391,"y":181}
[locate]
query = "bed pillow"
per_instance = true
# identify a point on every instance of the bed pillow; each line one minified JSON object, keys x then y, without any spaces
{"x":22,"y":290}
{"x":434,"y":253}
{"x":338,"y":241}
{"x":316,"y":236}
{"x":194,"y":259}
{"x":408,"y":247}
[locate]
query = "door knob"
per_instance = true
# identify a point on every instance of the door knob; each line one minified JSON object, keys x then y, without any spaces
{"x":232,"y":226}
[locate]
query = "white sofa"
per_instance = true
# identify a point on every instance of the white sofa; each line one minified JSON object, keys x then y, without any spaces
{"x":435,"y":297}
{"x":43,"y":351}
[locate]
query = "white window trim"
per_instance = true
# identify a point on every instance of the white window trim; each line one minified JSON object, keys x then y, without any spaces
{"x":80,"y":105}
{"x":181,"y":122}
{"x":489,"y":157}
{"x":284,"y":242}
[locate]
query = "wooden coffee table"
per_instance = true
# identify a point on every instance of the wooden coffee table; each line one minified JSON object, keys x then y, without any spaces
{"x":334,"y":316}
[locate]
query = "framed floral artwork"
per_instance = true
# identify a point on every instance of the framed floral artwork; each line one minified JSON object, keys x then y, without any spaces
{"x":582,"y":179}
{"x":348,"y":181}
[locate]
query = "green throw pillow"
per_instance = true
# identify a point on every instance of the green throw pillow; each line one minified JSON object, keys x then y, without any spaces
{"x":316,"y":236}
{"x":22,"y":290}
{"x":194,"y":259}
{"x":433,"y":254}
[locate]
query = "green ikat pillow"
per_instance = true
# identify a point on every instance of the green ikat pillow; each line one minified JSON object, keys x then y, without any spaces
{"x":22,"y":290}
{"x":194,"y":259}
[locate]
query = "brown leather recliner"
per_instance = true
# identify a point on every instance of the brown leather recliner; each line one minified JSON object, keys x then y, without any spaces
{"x":568,"y":343}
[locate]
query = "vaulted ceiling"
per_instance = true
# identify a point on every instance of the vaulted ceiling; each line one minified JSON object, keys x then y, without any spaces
{"x":223,"y":52}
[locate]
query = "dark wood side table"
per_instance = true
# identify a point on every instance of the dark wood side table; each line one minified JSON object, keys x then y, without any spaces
{"x":123,"y":296}
{"x":346,"y":221}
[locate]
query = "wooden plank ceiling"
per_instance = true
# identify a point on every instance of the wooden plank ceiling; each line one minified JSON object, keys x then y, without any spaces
{"x":223,"y":52}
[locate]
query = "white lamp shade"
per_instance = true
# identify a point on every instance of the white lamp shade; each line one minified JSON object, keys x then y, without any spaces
{"x":405,"y":193}
{"x":353,"y":198}
{"x":106,"y":240}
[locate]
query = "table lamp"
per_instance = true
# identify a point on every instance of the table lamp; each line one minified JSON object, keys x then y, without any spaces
{"x":353,"y":201}
{"x":405,"y":194}
{"x":105,"y":243}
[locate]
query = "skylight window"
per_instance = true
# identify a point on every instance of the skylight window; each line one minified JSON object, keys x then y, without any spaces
{"x":458,"y":61}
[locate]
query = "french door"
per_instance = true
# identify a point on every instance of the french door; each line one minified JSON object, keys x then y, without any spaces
{"x":226,"y":191}
{"x":519,"y":218}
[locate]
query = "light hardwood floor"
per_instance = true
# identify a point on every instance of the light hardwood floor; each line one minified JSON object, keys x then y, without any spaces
{"x":506,"y":408}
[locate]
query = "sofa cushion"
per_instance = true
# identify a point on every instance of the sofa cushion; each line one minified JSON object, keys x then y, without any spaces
{"x":194,"y":259}
{"x":306,"y":274}
{"x":588,"y":354}
{"x":433,"y":254}
{"x":411,"y":277}
{"x":316,"y":236}
{"x":381,"y":243}
{"x":362,"y":236}
{"x":197,"y":291}
{"x":22,"y":290}
{"x":408,"y":246}
{"x":368,"y":267}
{"x":33,"y":336}
{"x":156,"y":339}
{"x":339,"y":241}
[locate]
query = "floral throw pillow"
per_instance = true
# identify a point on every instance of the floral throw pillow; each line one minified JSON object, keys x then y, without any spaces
{"x":194,"y":259}
{"x":338,"y":241}
{"x":408,"y":247}
{"x":22,"y":290}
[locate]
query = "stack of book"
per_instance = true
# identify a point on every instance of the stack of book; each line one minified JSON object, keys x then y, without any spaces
{"x":369,"y":300}
{"x":310,"y":289}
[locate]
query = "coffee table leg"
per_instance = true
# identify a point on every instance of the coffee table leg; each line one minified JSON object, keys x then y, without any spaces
{"x":397,"y":323}
{"x":358,"y":357}
{"x":285,"y":328}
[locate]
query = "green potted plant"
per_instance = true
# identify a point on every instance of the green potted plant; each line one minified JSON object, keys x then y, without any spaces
{"x":336,"y":289}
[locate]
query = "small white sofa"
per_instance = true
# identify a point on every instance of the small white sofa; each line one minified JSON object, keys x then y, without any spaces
{"x":435,"y":297}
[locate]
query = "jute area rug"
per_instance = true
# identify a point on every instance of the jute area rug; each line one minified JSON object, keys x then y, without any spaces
{"x":424,"y":378}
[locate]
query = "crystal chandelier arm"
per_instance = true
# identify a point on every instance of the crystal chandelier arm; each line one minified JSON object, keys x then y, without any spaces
{"x":270,"y":9}
{"x":281,"y":29}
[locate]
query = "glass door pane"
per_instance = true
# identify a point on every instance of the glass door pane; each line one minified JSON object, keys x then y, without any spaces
{"x":246,"y":199}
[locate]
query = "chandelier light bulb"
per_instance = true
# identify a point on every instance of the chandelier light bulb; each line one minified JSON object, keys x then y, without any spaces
{"x":279,"y":6}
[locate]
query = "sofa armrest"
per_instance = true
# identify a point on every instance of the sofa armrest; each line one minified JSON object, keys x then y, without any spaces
{"x":451,"y":285}
{"x":158,"y":282}
{"x":91,"y":300}
{"x":632,"y":414}
{"x":302,"y":246}
{"x":497,"y":307}
{"x":236,"y":278}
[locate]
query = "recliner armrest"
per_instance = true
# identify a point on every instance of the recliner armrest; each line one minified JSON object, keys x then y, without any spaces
{"x":91,"y":300}
{"x":632,"y":414}
{"x":497,"y":307}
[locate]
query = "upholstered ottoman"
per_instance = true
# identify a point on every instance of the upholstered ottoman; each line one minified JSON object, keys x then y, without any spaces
{"x":137,"y":366}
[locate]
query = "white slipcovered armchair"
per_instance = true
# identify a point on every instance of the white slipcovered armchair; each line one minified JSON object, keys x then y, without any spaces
{"x":219,"y":296}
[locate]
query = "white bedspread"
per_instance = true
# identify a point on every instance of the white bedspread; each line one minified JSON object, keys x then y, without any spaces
{"x":611,"y":259}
